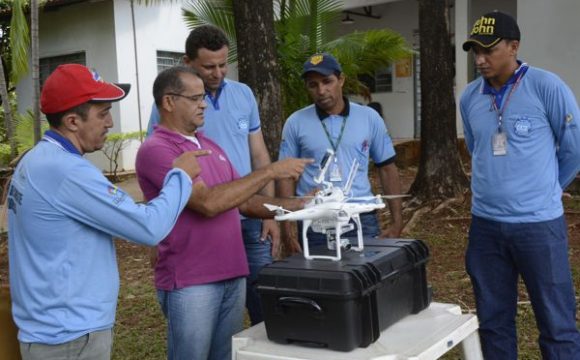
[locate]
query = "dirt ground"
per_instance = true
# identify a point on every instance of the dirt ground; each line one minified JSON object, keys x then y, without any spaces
{"x":140,"y":327}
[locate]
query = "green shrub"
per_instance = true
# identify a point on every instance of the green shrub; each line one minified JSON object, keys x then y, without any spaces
{"x":4,"y":154}
{"x":115,"y":143}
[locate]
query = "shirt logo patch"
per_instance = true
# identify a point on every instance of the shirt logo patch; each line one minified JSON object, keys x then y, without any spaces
{"x":117,"y":195}
{"x":243,"y":124}
{"x":14,"y":199}
{"x":569,"y":118}
{"x":365,"y":146}
{"x":96,"y":76}
{"x":522,"y":127}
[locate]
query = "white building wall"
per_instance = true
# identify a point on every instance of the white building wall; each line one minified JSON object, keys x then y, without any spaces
{"x":70,"y":29}
{"x":462,"y":59}
{"x":551,"y":37}
{"x":103,"y":29}
{"x":398,"y":105}
{"x":158,"y":27}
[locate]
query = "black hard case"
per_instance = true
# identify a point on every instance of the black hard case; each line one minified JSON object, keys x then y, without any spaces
{"x":344,"y":304}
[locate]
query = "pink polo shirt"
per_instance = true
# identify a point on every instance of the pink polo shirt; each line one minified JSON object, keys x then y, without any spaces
{"x":199,"y":250}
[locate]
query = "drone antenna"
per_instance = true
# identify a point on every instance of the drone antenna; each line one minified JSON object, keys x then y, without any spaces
{"x":351,"y":175}
{"x":324,"y":165}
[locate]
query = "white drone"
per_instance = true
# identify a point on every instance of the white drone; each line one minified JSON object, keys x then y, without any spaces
{"x":330,"y":211}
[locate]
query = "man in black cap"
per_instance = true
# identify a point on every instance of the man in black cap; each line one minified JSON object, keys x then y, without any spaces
{"x":521,"y":127}
{"x":353,"y":132}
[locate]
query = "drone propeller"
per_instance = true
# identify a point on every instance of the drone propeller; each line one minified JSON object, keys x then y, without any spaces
{"x":369,"y":198}
{"x":276,"y":208}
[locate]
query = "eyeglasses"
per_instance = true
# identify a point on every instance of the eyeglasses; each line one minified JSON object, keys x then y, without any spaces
{"x":195,"y":98}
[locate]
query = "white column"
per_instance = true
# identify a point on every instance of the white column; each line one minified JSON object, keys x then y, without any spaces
{"x":462,"y":27}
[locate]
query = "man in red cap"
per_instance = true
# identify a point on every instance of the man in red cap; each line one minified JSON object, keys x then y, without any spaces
{"x":63,"y":215}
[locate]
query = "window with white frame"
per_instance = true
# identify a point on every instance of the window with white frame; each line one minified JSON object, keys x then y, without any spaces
{"x":167,"y":59}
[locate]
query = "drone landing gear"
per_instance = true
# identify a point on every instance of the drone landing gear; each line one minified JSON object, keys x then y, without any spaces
{"x":333,"y":236}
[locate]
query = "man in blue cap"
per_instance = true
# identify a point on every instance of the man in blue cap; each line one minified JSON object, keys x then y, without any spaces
{"x":521,"y":127}
{"x":353,"y":132}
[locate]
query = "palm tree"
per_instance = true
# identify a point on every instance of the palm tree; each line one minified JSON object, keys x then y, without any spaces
{"x":303,"y":28}
{"x":19,"y":42}
{"x":8,"y":122}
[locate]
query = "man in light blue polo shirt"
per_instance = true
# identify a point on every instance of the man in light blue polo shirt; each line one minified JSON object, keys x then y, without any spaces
{"x":521,"y":128}
{"x":353,"y":131}
{"x":63,"y":214}
{"x":233,"y":122}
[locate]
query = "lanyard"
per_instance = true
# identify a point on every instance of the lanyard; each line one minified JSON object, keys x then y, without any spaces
{"x":499,"y":111}
{"x":335,"y":147}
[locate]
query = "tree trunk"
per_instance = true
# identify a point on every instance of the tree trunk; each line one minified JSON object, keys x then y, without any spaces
{"x":35,"y":68}
{"x":258,"y":64}
{"x":8,"y":122}
{"x":440,"y":172}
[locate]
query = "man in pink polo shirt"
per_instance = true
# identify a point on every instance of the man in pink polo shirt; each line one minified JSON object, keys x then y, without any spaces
{"x":201,"y":267}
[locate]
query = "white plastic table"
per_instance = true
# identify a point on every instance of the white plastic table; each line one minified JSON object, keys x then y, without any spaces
{"x":424,"y":336}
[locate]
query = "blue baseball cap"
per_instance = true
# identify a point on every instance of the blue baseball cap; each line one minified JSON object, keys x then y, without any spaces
{"x":324,"y":64}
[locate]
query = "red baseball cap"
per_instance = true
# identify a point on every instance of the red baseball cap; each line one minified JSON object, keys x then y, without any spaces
{"x":71,"y":85}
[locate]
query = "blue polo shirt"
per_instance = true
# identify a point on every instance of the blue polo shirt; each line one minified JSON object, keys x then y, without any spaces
{"x":543,"y":147}
{"x":63,"y":214}
{"x":365,"y":135}
{"x":230,"y":118}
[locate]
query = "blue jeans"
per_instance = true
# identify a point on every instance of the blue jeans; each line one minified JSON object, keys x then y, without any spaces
{"x":259,"y":253}
{"x":496,"y":255}
{"x":369,"y":222}
{"x":201,"y":319}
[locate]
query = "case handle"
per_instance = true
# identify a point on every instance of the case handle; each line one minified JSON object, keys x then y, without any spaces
{"x":293,"y":301}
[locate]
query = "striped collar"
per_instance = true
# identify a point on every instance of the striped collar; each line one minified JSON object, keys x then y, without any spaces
{"x":61,"y":141}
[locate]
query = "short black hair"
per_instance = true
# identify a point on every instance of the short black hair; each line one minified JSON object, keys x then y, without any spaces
{"x":169,"y":81}
{"x":205,"y":36}
{"x":82,"y":110}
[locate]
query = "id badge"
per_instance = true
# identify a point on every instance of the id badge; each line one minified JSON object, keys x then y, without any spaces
{"x":335,"y":174}
{"x":499,"y":144}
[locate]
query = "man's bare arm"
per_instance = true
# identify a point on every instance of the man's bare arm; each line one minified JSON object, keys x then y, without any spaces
{"x":285,"y":189}
{"x":389,"y":175}
{"x":211,"y":201}
{"x":255,"y":208}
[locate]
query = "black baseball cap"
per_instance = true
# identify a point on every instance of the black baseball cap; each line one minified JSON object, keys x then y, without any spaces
{"x":491,"y":28}
{"x":324,"y":64}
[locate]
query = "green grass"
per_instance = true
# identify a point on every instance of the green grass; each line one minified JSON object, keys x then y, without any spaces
{"x":140,"y":326}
